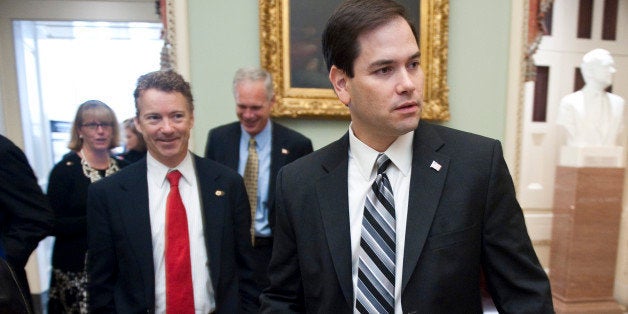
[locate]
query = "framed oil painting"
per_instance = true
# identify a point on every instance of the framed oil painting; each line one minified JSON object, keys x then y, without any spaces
{"x":290,"y":49}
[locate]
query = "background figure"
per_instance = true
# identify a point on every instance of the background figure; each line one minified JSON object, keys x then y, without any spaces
{"x":135,"y":147}
{"x":397,"y":216}
{"x":161,"y":246}
{"x":94,"y":133}
{"x":592,"y":116}
{"x":25,"y":219}
{"x":275,"y":146}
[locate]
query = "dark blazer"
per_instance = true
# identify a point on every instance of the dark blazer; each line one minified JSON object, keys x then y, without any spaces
{"x":462,"y":220}
{"x":120,"y":259}
{"x":25,"y":219}
{"x":223,"y":146}
{"x":25,"y":214}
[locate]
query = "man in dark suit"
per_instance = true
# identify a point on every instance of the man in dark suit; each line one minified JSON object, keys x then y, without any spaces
{"x":135,"y":220}
{"x":397,"y":216}
{"x":25,"y":219}
{"x":275,"y":146}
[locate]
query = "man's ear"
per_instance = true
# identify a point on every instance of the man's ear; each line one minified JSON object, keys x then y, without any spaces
{"x":138,"y":126}
{"x":340,"y":80}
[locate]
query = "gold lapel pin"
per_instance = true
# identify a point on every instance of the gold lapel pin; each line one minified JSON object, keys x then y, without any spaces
{"x":220,"y":193}
{"x":284,"y":151}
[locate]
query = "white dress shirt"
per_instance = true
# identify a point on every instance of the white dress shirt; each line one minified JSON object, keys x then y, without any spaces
{"x":362,"y":173}
{"x":158,"y":189}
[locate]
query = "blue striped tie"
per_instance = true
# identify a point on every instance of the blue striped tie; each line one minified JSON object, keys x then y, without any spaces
{"x":376,"y":268}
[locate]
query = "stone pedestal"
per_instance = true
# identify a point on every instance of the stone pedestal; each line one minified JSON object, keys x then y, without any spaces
{"x":585,"y":232}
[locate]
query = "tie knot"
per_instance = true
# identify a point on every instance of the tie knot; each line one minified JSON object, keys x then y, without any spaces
{"x":382,"y":163}
{"x":173,"y":177}
{"x":252,"y":142}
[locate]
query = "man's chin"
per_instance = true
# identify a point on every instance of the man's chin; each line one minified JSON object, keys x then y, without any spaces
{"x":170,"y":150}
{"x":408,"y":125}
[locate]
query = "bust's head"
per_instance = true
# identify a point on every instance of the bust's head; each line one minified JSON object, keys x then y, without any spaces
{"x":597,"y":68}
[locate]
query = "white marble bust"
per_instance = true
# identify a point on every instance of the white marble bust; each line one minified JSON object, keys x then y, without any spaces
{"x":591,"y":117}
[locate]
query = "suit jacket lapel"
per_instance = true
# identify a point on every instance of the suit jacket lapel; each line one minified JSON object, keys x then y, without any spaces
{"x":232,"y":147}
{"x":334,"y":201}
{"x":277,"y":160}
{"x":426,"y":186}
{"x":275,"y":154}
{"x":134,"y":211}
{"x":213,"y":217}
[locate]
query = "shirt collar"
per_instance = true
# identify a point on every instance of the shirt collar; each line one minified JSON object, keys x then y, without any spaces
{"x":262,"y":138}
{"x":157,"y":171}
{"x":399,"y":152}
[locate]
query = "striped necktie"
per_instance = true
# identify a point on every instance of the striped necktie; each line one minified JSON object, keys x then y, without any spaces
{"x":376,"y":268}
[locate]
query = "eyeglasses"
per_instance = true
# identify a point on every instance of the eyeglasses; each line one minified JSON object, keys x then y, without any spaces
{"x":94,"y":126}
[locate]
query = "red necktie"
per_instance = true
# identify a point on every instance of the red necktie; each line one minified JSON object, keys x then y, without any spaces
{"x":179,"y":292}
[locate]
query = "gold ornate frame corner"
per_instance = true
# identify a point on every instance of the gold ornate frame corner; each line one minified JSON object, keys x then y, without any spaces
{"x":315,"y":102}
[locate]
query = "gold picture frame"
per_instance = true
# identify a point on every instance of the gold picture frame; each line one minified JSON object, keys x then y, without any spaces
{"x":297,"y":102}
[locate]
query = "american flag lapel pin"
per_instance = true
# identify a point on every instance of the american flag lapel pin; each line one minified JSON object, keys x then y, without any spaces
{"x":436,"y":166}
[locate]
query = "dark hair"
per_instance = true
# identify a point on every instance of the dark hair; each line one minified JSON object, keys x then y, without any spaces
{"x":166,"y":81}
{"x":98,"y":110}
{"x":351,"y":19}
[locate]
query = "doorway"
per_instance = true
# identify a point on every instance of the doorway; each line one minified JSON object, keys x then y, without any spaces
{"x":61,"y":64}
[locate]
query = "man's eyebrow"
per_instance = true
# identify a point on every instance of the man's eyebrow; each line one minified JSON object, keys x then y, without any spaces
{"x":249,"y":105}
{"x":379,"y":63}
{"x":385,"y":62}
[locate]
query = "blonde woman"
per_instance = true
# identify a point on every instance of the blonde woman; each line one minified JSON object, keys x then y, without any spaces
{"x":135,"y":147}
{"x":95,"y":132}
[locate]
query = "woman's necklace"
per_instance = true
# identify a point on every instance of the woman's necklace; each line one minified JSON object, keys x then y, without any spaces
{"x":94,"y":174}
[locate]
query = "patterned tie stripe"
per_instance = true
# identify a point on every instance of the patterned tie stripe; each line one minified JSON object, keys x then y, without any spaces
{"x":376,"y":267}
{"x":250,"y":182}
